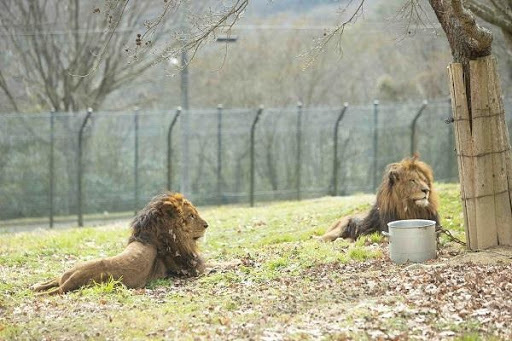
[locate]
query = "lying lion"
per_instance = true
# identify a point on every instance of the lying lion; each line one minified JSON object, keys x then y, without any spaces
{"x":163,"y":243}
{"x":406,"y":192}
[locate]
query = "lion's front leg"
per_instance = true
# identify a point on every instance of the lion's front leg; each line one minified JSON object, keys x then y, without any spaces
{"x":180,"y":266}
{"x":336,"y":230}
{"x":70,"y":280}
{"x":333,"y":233}
{"x":47,"y":285}
{"x":158,"y":271}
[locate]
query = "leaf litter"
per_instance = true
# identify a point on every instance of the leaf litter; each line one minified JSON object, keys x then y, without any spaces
{"x":374,"y":299}
{"x":276,"y":289}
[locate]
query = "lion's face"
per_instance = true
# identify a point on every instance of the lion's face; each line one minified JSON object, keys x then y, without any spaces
{"x":417,"y":188}
{"x":184,"y":218}
{"x":411,"y":181}
{"x":194,"y":226}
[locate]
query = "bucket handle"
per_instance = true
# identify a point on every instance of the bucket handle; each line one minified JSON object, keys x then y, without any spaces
{"x":384,"y":233}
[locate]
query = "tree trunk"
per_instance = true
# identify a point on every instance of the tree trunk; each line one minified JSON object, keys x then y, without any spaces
{"x":483,"y":153}
{"x":482,"y":140}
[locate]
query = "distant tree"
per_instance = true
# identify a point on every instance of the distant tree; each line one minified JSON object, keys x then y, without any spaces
{"x":51,"y":49}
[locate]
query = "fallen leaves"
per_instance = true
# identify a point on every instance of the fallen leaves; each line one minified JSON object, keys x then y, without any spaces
{"x":242,"y":299}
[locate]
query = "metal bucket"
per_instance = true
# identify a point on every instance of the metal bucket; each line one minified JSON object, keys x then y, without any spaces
{"x":412,"y":240}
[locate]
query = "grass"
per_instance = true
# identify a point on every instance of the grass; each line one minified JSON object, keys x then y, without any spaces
{"x":282,"y":274}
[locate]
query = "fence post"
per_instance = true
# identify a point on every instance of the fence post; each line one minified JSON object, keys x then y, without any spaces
{"x":80,"y":165}
{"x":185,"y":124}
{"x":52,"y":165}
{"x":185,"y":147}
{"x":169,"y":148}
{"x":136,"y":160}
{"x":253,"y":127}
{"x":375,"y":143}
{"x":219,"y":150}
{"x":414,"y":139}
{"x":299,"y":150}
{"x":335,"y":142}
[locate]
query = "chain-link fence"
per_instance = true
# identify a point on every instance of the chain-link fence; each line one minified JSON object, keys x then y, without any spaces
{"x":60,"y":164}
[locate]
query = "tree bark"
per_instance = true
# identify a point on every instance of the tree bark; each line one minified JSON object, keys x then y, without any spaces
{"x":483,"y":153}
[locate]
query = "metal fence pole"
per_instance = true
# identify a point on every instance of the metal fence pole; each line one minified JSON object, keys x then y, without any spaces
{"x":253,"y":127}
{"x":299,"y":150}
{"x":414,"y":139}
{"x":185,"y":157}
{"x":80,"y":170}
{"x":169,"y":148}
{"x":219,"y":151}
{"x":184,"y":84}
{"x":52,"y":165}
{"x":375,"y":143}
{"x":185,"y":125}
{"x":136,"y":160}
{"x":335,"y":158}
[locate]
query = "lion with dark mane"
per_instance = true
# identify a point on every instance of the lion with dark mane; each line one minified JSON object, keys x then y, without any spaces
{"x":163,"y":243}
{"x":406,"y":192}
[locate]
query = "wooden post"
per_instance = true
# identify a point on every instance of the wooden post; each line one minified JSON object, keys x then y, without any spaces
{"x":483,"y":154}
{"x":497,"y":133}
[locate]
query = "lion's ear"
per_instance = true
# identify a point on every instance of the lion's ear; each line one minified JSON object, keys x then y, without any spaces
{"x":173,"y":207}
{"x":393,"y":176}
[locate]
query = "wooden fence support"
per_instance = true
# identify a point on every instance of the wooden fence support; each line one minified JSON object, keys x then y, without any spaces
{"x":483,"y":154}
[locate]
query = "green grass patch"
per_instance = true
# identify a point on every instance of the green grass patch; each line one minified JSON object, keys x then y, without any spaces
{"x":109,"y":287}
{"x":450,"y":211}
{"x":280,"y":257}
{"x":361,"y":254}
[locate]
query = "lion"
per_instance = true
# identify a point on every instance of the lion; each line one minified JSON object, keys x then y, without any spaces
{"x":406,"y":192}
{"x":163,"y":243}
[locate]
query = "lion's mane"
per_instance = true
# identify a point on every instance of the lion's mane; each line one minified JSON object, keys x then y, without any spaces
{"x":398,"y":197}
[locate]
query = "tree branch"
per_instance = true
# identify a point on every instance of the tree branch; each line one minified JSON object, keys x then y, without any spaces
{"x":467,"y":39}
{"x":7,"y":92}
{"x":479,"y":37}
{"x":492,"y":16}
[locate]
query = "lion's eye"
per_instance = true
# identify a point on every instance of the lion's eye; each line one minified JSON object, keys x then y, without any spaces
{"x":412,"y":181}
{"x":191,"y":216}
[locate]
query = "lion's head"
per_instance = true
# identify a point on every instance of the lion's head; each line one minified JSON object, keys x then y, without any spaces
{"x":172,"y":224}
{"x":407,"y":190}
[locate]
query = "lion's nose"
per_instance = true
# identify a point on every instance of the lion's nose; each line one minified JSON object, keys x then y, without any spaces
{"x":425,"y":190}
{"x":205,"y":225}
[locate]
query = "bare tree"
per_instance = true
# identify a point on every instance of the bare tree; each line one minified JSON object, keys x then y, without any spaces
{"x":50,"y":47}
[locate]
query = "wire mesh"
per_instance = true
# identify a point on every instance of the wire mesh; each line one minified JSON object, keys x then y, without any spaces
{"x":109,"y":155}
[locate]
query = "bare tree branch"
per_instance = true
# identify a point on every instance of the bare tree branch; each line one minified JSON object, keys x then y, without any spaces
{"x":467,"y":39}
{"x":496,"y":16}
{"x":498,"y":13}
{"x":480,"y":37}
{"x":322,"y":43}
